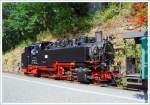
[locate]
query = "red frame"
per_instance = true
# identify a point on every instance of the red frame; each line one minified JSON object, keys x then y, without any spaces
{"x":58,"y":71}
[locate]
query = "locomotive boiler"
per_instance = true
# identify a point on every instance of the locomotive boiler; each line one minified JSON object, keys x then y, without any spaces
{"x":84,"y":59}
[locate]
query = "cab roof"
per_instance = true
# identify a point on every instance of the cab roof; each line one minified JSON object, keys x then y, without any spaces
{"x":135,"y":34}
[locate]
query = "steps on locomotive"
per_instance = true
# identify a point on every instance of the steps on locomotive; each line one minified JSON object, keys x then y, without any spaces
{"x":134,"y":81}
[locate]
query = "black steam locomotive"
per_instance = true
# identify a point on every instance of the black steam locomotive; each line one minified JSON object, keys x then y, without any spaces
{"x":86,"y":59}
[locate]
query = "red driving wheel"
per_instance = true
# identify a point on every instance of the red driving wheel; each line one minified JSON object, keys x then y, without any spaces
{"x":95,"y":78}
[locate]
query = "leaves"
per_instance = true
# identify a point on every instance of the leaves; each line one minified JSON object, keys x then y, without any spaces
{"x":23,"y":21}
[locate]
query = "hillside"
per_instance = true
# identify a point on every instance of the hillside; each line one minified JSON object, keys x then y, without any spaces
{"x":13,"y":58}
{"x":115,"y":23}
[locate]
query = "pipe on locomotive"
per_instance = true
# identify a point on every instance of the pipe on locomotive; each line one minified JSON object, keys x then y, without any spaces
{"x":99,"y":39}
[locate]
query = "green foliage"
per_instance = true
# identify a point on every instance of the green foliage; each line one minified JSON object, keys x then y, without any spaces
{"x":24,"y":43}
{"x":132,"y":49}
{"x":119,"y":54}
{"x":106,"y":13}
{"x":110,"y":11}
{"x":24,"y":21}
{"x":27,"y":22}
{"x":122,"y":82}
{"x":43,"y":35}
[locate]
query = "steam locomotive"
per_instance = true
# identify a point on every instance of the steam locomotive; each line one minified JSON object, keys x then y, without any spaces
{"x":85,"y":59}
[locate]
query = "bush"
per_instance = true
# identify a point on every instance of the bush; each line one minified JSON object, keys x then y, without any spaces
{"x":110,"y":11}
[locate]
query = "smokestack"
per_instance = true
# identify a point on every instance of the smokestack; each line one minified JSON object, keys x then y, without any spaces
{"x":98,"y":36}
{"x":99,"y":39}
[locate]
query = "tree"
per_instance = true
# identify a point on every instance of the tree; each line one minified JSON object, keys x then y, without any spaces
{"x":23,"y":21}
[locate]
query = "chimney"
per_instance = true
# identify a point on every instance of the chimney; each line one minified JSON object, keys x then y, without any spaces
{"x":99,"y":39}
